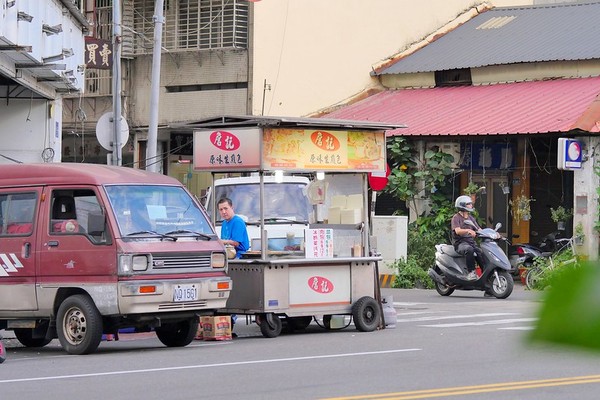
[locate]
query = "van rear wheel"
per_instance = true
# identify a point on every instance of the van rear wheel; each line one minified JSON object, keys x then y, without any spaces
{"x":25,"y":337}
{"x":178,"y":334}
{"x":79,"y":325}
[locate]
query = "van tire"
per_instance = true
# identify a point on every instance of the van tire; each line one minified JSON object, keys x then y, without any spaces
{"x":79,"y":325}
{"x":178,"y":334}
{"x":25,"y":337}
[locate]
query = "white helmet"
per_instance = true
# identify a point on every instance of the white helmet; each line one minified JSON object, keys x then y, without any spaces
{"x":464,"y":203}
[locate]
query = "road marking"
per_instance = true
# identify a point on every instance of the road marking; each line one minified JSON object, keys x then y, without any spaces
{"x":435,"y":318}
{"x":465,"y":390}
{"x":494,"y":322}
{"x":229,"y":364}
{"x":518,"y":328}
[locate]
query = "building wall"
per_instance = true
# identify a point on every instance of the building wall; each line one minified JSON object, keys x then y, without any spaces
{"x":314,"y":54}
{"x":25,"y":130}
{"x":187,"y":69}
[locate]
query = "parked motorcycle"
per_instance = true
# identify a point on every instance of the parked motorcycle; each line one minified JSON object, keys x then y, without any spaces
{"x":523,"y":255}
{"x":450,"y":270}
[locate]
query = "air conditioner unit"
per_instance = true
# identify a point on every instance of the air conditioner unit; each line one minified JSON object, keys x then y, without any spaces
{"x":452,"y":148}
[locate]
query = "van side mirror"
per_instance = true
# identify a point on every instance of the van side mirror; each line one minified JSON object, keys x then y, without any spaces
{"x":96,"y":224}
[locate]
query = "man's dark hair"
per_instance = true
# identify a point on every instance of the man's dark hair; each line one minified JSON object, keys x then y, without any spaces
{"x":225,"y":200}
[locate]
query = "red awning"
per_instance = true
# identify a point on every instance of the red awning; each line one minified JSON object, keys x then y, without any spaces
{"x":559,"y":105}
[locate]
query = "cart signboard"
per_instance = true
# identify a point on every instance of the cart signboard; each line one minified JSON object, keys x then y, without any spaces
{"x":310,"y":149}
{"x":272,"y":149}
{"x":227,"y":149}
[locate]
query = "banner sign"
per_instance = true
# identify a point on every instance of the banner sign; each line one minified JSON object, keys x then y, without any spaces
{"x":308,"y":149}
{"x":234,"y":149}
{"x":480,"y":156}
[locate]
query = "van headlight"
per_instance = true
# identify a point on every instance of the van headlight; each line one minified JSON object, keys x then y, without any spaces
{"x":217,"y":260}
{"x":129,"y":263}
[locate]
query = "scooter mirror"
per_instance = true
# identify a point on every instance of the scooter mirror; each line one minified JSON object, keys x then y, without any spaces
{"x":470,"y":223}
{"x":498,"y":226}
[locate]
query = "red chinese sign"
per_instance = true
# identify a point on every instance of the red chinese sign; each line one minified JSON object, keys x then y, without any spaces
{"x":320,"y":284}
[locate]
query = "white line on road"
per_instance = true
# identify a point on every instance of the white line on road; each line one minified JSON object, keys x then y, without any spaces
{"x":494,"y":322}
{"x":434,"y":318}
{"x":142,"y":371}
{"x":518,"y":328}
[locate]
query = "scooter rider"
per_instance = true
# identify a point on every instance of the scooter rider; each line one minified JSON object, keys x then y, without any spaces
{"x":463,"y":235}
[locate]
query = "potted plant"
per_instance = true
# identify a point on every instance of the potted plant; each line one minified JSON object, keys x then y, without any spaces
{"x":560,"y":215}
{"x":472,"y":189}
{"x":521,"y":208}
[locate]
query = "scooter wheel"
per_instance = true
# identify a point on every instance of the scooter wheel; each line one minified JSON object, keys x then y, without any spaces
{"x":502,"y":287}
{"x":443,"y":290}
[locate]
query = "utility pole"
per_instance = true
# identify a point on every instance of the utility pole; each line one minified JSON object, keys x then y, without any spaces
{"x":117,"y":158}
{"x":151,"y":158}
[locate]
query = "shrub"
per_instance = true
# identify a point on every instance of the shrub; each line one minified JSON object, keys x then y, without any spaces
{"x":411,"y":274}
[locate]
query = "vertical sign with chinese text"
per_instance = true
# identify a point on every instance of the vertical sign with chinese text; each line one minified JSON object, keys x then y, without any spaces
{"x":318,"y":243}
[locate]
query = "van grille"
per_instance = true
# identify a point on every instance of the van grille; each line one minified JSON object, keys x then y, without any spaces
{"x":162,"y":262}
{"x":182,"y":306}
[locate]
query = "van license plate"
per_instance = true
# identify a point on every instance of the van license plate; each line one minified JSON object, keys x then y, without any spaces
{"x":185,"y":293}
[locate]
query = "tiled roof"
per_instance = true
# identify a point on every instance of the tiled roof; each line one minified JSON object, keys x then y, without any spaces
{"x":511,"y":108}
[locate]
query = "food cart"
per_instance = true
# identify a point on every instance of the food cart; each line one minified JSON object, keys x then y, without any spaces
{"x":329,"y":269}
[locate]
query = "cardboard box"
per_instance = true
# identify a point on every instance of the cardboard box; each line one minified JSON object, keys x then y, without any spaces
{"x":333,"y":215}
{"x":351,"y":216}
{"x":216,"y":328}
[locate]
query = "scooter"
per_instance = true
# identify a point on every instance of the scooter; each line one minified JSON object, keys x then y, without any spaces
{"x":450,"y":270}
{"x":524,"y":254}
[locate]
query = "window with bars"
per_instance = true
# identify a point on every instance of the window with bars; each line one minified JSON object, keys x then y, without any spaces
{"x":193,"y":24}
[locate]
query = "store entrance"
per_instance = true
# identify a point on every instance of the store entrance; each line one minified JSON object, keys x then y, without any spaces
{"x":492,"y":203}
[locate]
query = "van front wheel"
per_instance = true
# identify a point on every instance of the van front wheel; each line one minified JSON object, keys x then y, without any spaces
{"x":178,"y":334}
{"x":79,"y":325}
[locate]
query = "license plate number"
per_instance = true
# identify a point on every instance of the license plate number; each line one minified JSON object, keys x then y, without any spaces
{"x":185,"y":293}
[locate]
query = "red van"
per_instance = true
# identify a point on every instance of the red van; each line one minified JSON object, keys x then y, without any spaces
{"x":86,"y":250}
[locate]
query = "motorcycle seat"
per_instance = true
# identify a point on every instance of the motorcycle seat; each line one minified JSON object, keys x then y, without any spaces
{"x":449,"y":250}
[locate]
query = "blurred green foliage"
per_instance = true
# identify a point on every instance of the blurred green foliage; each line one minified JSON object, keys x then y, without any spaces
{"x":570,"y":311}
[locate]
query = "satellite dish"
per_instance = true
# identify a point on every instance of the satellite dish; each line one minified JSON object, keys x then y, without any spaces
{"x":105,"y":131}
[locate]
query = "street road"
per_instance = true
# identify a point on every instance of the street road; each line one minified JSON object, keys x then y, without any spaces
{"x":460,"y":347}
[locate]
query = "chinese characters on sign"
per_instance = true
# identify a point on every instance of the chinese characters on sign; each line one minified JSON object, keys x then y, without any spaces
{"x":98,"y":53}
{"x":319,"y":243}
{"x":223,"y":149}
{"x":320,"y":284}
{"x":323,"y":150}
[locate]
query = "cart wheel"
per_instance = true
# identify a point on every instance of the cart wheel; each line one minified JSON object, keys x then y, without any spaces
{"x":270,"y":325}
{"x":366,"y":314}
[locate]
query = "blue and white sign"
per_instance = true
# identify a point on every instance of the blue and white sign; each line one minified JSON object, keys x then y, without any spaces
{"x":570,"y":154}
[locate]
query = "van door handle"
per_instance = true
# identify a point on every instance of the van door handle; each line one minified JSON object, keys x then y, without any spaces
{"x":26,"y":250}
{"x":53,"y":243}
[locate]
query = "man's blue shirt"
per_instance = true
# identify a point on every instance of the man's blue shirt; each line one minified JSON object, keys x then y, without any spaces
{"x":235,"y":229}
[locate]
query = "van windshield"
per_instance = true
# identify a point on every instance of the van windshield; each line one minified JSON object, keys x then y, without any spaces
{"x":161,"y":209}
{"x":282,"y":201}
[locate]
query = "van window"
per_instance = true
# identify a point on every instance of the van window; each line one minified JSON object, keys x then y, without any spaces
{"x":16,"y":213}
{"x":76,"y":211}
{"x":160,"y":209}
{"x":281,"y":200}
